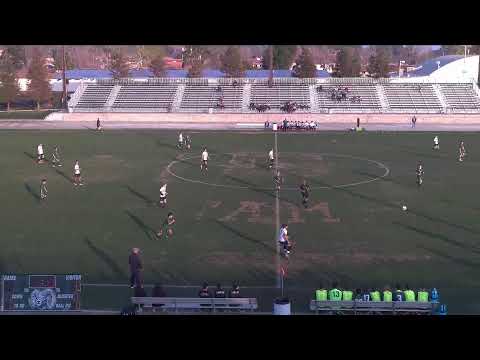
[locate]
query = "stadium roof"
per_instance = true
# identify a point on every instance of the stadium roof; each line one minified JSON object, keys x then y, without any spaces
{"x":146,"y":73}
{"x":429,"y":66}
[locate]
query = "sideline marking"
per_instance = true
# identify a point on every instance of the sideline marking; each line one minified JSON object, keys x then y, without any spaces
{"x":378,"y":163}
{"x":277,"y":220}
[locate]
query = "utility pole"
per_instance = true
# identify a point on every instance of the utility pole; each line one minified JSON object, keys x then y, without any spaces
{"x":64,"y":80}
{"x":270,"y":65}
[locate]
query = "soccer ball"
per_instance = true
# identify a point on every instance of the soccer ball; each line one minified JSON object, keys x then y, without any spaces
{"x":404,"y":208}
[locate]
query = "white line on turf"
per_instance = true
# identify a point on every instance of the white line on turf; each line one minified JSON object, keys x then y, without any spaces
{"x":277,"y":220}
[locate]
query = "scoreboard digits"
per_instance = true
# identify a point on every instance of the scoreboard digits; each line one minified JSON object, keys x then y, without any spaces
{"x":40,"y":292}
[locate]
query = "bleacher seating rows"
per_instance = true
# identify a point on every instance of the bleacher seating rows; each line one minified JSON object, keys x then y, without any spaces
{"x":201,"y":94}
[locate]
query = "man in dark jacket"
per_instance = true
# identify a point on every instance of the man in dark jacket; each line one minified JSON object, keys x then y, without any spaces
{"x":136,"y":268}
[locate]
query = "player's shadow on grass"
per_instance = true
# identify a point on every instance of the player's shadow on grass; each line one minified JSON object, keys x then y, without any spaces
{"x":32,"y":192}
{"x":150,"y":233}
{"x":30,"y":156}
{"x":62,"y":174}
{"x":245,"y":236}
{"x":105,"y":258}
{"x":147,"y":200}
{"x":437,"y":236}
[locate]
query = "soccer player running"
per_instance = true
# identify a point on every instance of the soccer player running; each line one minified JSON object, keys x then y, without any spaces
{"x":167,"y":226}
{"x":271,"y":159}
{"x":284,"y":240}
{"x":204,"y":161}
{"x":419,"y":174}
{"x":56,"y":157}
{"x":40,"y":155}
{"x":461,"y":151}
{"x":188,"y":142}
{"x":180,"y":140}
{"x":436,"y":145}
{"x":305,"y":191}
{"x":277,"y":180}
{"x":77,"y":177}
{"x":43,"y":189}
{"x":163,"y":195}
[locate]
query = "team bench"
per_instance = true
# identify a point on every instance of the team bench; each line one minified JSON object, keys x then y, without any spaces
{"x":169,"y":304}
{"x":372,"y":307}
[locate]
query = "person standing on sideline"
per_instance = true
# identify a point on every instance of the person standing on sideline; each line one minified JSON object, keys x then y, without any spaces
{"x":414,"y":121}
{"x":99,"y":126}
{"x":43,"y":189}
{"x":136,"y":268}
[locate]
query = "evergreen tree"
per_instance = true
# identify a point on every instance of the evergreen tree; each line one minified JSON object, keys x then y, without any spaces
{"x":305,"y":67}
{"x":348,"y":63}
{"x":283,"y":56}
{"x":8,"y":80}
{"x":17,"y":53}
{"x":57,"y":55}
{"x":232,"y":63}
{"x":157,"y":66}
{"x":118,"y":65}
{"x":378,"y":63}
{"x":195,"y":56}
{"x":39,"y":87}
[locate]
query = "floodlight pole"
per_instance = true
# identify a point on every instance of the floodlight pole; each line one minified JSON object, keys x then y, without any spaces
{"x":64,"y":80}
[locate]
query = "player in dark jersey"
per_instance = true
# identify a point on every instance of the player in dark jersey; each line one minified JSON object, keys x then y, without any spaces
{"x":167,"y":226}
{"x":56,"y":161}
{"x":461,"y":151}
{"x":43,"y":189}
{"x":277,"y":179}
{"x":419,"y":174}
{"x":305,"y":191}
{"x":188,"y":142}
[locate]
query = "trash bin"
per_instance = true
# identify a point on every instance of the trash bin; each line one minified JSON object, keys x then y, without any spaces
{"x":281,"y":306}
{"x":274,"y":127}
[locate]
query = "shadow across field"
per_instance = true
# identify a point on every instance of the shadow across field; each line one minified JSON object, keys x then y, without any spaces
{"x":30,"y":156}
{"x":456,"y":260}
{"x":102,"y":255}
{"x":62,"y":174}
{"x":246,"y":236}
{"x":150,"y":233}
{"x":145,"y":198}
{"x":32,"y":192}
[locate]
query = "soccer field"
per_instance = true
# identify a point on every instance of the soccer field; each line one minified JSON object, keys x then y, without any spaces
{"x":354,"y":230}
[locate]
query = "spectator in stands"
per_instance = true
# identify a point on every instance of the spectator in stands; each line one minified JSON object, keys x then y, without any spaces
{"x":387,"y":294}
{"x":375,"y":295}
{"x":136,"y":268}
{"x":358,"y":295}
{"x":321,"y":293}
{"x":158,"y":291}
{"x":335,"y":294}
{"x":204,"y":291}
{"x":234,"y":291}
{"x":358,"y":123}
{"x":235,"y":83}
{"x":219,"y":292}
{"x":414,"y":121}
{"x":219,"y":88}
{"x":409,"y":294}
{"x":399,"y":294}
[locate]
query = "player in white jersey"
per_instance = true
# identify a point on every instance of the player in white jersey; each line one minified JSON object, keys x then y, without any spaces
{"x":204,"y":163}
{"x":271,"y":159}
{"x":77,"y":177}
{"x":56,"y":157}
{"x":436,"y":145}
{"x":40,"y":155}
{"x":163,"y":195}
{"x":462,"y":152}
{"x":180,"y":140}
{"x":284,"y":240}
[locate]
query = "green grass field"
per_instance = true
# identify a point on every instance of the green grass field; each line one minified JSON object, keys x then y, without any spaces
{"x":354,"y":230}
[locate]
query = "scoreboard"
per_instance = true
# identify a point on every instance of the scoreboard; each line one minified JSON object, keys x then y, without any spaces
{"x":40,"y":292}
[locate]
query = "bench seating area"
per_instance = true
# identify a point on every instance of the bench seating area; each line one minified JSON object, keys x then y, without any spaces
{"x":460,"y":96}
{"x":278,"y":95}
{"x":372,"y":307}
{"x":183,"y":305}
{"x":367,"y":92}
{"x":204,"y":96}
{"x":145,"y":96}
{"x":94,"y":96}
{"x":411,"y":96}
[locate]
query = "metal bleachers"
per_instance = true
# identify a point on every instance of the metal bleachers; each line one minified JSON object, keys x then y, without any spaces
{"x":460,"y":96}
{"x":280,"y":93}
{"x":367,"y":92}
{"x":145,"y":96}
{"x":204,"y":96}
{"x":94,"y":96}
{"x":412,"y":96}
